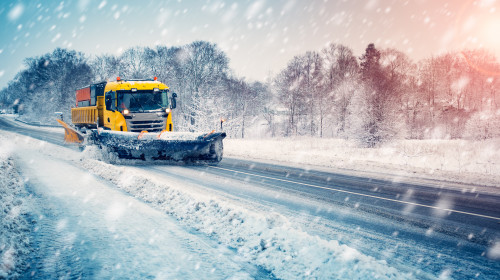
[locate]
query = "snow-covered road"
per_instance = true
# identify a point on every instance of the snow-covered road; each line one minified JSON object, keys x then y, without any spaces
{"x":416,"y":242}
{"x":97,"y":220}
{"x":86,"y":227}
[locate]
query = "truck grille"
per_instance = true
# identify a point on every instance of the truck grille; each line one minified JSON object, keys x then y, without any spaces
{"x":139,"y":123}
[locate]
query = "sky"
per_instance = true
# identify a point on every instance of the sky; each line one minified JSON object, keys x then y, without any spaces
{"x":260,"y":37}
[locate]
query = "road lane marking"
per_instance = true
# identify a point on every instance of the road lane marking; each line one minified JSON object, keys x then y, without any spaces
{"x":360,"y":194}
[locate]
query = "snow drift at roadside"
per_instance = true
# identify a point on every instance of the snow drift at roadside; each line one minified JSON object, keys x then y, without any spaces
{"x":266,"y":239}
{"x":14,"y":226}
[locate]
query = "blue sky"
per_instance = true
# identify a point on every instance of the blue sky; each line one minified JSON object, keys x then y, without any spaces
{"x":259,"y":37}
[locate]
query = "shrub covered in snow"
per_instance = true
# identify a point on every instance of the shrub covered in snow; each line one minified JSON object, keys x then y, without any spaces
{"x":483,"y":125}
{"x":370,"y":125}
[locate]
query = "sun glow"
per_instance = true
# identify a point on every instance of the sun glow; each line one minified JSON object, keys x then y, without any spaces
{"x":489,"y":33}
{"x":478,"y":25}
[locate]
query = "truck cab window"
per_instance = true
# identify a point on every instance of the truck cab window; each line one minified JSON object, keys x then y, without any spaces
{"x":142,"y":101}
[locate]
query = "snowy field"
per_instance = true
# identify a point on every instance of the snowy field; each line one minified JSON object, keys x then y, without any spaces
{"x":459,"y":161}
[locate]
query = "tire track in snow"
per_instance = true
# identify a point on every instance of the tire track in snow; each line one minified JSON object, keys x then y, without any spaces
{"x":360,"y":194}
{"x":89,"y":228}
{"x":266,"y":240}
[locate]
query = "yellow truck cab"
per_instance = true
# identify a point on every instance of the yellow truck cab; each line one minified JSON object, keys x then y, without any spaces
{"x":125,"y":105}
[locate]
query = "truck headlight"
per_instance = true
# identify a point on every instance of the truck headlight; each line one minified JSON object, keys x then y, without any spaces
{"x":126,"y":112}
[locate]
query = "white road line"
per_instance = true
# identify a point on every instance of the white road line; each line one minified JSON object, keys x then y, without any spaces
{"x":360,"y":194}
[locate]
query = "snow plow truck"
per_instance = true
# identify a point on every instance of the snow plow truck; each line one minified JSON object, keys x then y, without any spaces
{"x":133,"y":119}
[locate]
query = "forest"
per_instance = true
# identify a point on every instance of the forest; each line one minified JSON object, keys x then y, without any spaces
{"x":371,"y":98}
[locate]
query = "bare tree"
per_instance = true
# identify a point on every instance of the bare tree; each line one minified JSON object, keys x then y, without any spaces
{"x":105,"y":67}
{"x":204,"y":69}
{"x":340,"y":74}
{"x":343,"y":95}
{"x":133,"y":64}
{"x":311,"y":84}
{"x":290,"y":93}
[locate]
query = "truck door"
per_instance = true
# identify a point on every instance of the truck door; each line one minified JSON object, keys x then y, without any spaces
{"x":109,"y":113}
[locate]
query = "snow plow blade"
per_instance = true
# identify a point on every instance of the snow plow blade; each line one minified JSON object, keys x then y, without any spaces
{"x":70,"y":134}
{"x":190,"y":148}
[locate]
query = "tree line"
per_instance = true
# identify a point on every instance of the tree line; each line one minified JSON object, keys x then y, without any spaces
{"x":198,"y":72}
{"x":378,"y":96}
{"x":384,"y":95}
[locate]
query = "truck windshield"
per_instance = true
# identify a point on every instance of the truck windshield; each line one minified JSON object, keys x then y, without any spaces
{"x":142,"y":100}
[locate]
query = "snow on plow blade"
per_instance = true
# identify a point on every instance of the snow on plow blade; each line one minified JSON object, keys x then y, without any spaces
{"x":170,"y":146}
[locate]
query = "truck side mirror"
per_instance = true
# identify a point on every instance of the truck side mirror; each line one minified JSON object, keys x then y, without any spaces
{"x":173,"y":103}
{"x":109,"y":102}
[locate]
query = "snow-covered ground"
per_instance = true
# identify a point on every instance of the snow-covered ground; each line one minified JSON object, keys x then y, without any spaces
{"x":14,"y":223}
{"x":84,"y":226}
{"x":460,"y":161}
{"x":265,"y":239}
{"x":234,"y":233}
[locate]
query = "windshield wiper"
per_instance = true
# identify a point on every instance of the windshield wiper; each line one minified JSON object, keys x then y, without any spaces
{"x":138,"y":103}
{"x":152,"y":98}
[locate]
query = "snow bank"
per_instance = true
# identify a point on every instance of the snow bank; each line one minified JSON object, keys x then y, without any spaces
{"x":183,"y":136}
{"x":472,"y":162}
{"x":266,"y":239}
{"x":14,"y":226}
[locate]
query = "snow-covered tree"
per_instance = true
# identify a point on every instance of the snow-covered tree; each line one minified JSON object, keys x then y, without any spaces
{"x":340,"y":77}
{"x":483,"y":125}
{"x":363,"y":123}
{"x":378,"y":101}
{"x":342,"y":97}
{"x":244,"y":102}
{"x":204,"y":68}
{"x":105,"y":67}
{"x":291,"y":94}
{"x":133,"y":64}
{"x":311,"y":83}
{"x":316,"y":92}
{"x":48,"y":83}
